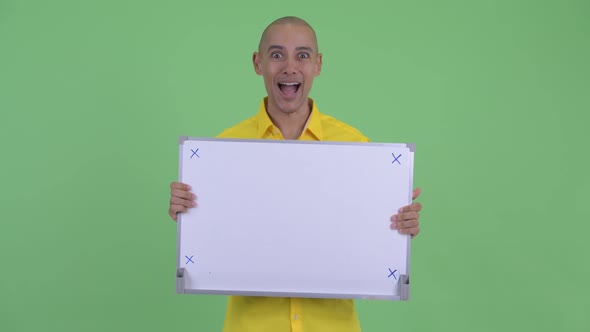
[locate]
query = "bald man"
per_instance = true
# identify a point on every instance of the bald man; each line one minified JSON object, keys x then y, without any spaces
{"x":288,"y":59}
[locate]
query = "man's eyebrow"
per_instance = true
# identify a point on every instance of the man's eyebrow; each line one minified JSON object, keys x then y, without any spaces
{"x":277,"y":47}
{"x":304,"y":48}
{"x":298,"y":48}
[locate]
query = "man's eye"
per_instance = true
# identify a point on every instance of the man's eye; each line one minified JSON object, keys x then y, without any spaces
{"x":275,"y":55}
{"x":304,"y":55}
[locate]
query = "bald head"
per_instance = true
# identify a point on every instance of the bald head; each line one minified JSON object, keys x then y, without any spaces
{"x":287,"y":20}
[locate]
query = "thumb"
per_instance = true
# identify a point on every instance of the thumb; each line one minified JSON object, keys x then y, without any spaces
{"x":416,"y":193}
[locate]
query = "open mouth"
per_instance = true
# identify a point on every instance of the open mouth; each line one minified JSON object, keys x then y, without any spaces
{"x":289,"y":88}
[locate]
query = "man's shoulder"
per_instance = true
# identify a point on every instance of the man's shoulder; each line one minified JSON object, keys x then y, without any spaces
{"x":337,"y":130}
{"x":243,"y":129}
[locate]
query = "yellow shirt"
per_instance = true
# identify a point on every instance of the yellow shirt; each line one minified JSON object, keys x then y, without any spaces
{"x":262,"y":314}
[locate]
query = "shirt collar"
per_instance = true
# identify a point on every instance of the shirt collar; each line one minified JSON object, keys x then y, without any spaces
{"x":313,"y":125}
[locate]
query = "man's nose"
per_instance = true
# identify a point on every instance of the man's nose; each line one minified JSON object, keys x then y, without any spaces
{"x":290,"y":66}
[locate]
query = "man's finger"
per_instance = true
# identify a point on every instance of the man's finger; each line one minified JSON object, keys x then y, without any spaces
{"x":176,"y":208}
{"x":182,"y":202}
{"x":183,"y":194}
{"x":411,"y":223}
{"x":412,"y":207}
{"x":180,"y":185}
{"x":406,"y":216}
{"x":413,"y":231}
{"x":416,"y":193}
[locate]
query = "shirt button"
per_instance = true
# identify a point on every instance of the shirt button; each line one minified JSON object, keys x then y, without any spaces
{"x":296,"y":317}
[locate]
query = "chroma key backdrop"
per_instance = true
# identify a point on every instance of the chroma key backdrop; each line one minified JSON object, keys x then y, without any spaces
{"x":495,"y":96}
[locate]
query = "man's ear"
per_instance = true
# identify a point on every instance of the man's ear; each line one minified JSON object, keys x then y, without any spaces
{"x":256,"y":63}
{"x":319,"y":65}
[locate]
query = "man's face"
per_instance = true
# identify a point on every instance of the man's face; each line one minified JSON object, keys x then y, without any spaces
{"x":288,"y":60}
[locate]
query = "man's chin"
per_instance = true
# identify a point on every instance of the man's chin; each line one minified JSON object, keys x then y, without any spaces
{"x":289,"y":109}
{"x":290,"y":106}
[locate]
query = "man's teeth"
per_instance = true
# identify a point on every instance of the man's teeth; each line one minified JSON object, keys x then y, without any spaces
{"x":289,"y":83}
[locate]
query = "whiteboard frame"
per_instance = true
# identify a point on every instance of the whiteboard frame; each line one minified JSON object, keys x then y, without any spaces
{"x":402,"y":285}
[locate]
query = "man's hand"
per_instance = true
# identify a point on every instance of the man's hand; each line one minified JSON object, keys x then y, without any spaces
{"x":180,"y":199}
{"x":406,"y":221}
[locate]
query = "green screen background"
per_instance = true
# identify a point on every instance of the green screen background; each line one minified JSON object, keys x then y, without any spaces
{"x":495,"y":95}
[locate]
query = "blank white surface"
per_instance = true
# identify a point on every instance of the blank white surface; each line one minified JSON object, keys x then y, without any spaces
{"x":292,"y":218}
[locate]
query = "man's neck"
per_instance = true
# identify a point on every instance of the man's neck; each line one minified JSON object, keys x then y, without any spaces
{"x":291,"y":125}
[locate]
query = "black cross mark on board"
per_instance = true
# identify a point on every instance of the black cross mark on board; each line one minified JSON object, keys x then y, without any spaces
{"x":189,"y":260}
{"x":396,"y":158}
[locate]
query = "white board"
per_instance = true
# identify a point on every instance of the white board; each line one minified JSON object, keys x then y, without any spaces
{"x":294,"y":218}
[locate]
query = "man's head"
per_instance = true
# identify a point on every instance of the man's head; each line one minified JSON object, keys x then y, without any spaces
{"x":288,"y":59}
